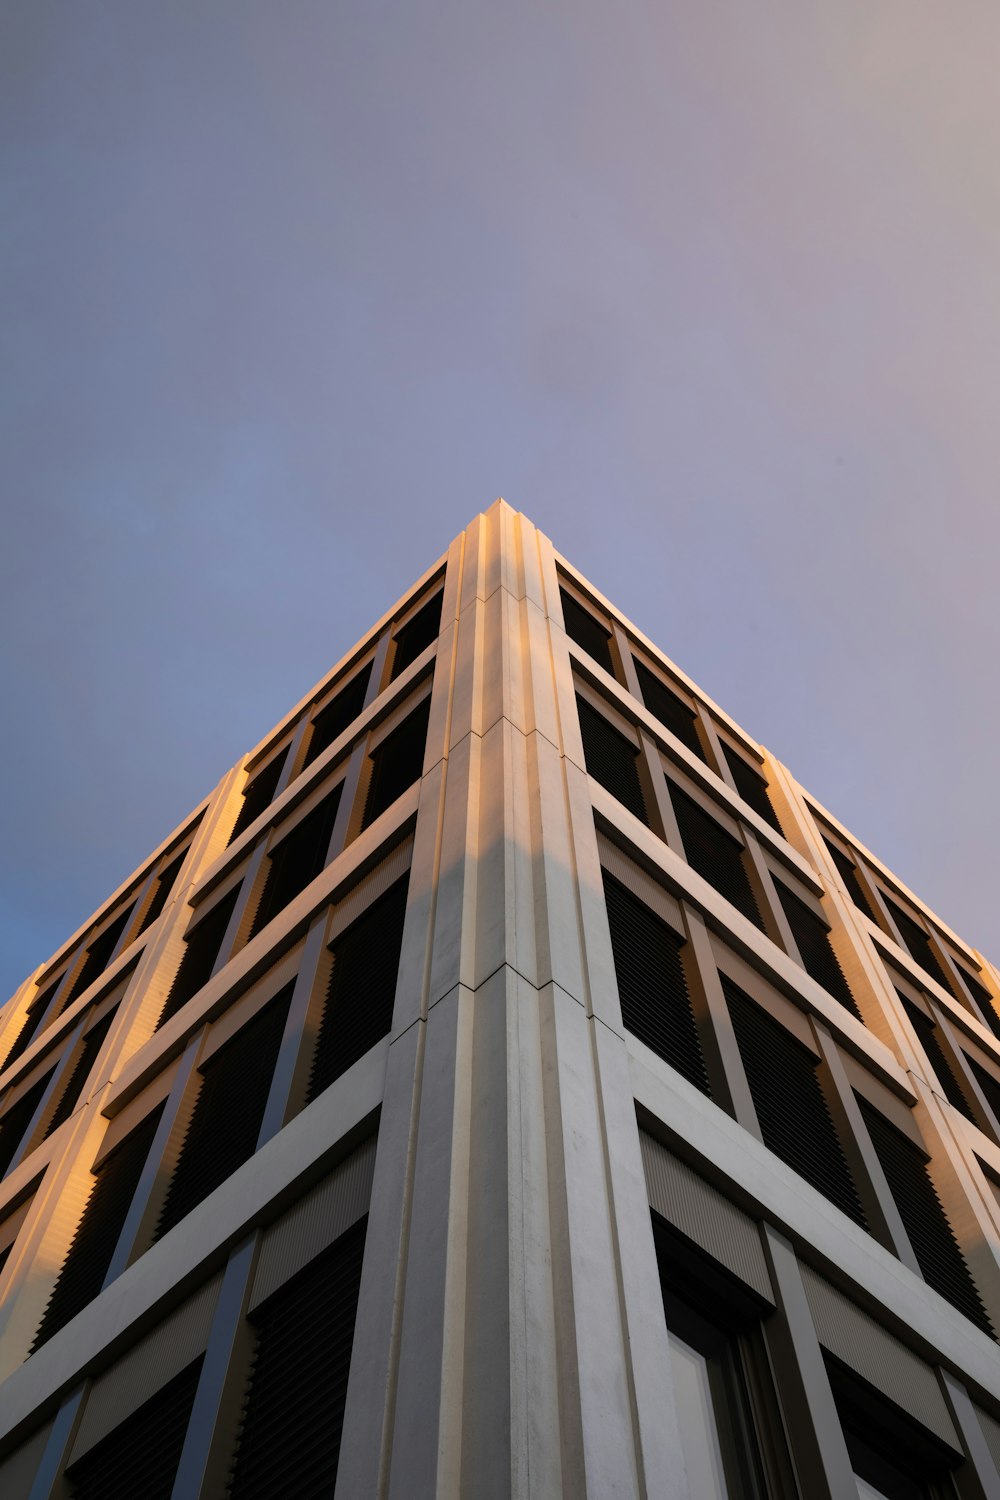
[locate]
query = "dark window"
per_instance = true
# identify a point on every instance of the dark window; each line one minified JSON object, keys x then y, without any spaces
{"x":656,"y":1006}
{"x":612,"y":760}
{"x":140,"y":1456}
{"x":730,"y":1425}
{"x":989,"y":1084}
{"x":93,"y":1246}
{"x":589,"y":634}
{"x":416,"y":635}
{"x":983,"y":1001}
{"x":924,"y":1219}
{"x":17,"y":1118}
{"x":259,"y":794}
{"x":98,"y":956}
{"x":362,"y":988}
{"x":812,"y":938}
{"x":714,"y":854}
{"x":228,"y":1113}
{"x":927,"y":1035}
{"x":887,"y":1449}
{"x":337,"y":715}
{"x":81,"y":1070}
{"x":751,"y":786}
{"x":848,"y":873}
{"x":791,"y":1110}
{"x":293,"y":1410}
{"x":32,"y":1021}
{"x":396,"y":763}
{"x":672,"y":712}
{"x":916,"y":941}
{"x":200,"y":954}
{"x":296,"y":861}
{"x":164,"y":885}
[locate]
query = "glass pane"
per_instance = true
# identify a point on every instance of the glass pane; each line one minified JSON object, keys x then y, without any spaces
{"x":696,"y":1414}
{"x":868,"y":1491}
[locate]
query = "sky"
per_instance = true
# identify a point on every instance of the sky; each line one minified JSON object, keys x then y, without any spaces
{"x":290,"y":292}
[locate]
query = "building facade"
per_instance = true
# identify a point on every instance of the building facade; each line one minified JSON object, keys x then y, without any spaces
{"x":508,"y":1082}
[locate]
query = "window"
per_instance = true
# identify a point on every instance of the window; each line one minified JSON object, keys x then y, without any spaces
{"x":916,"y":942}
{"x":337,"y":715}
{"x":416,"y":635}
{"x":673,"y":713}
{"x":929,"y":1038}
{"x":15,"y":1120}
{"x":893,"y":1458}
{"x":751,"y":786}
{"x":396,"y":763}
{"x":258,"y":794}
{"x":730,"y":1427}
{"x":714,"y":854}
{"x":848,"y":873}
{"x":612,"y":760}
{"x":293,"y":1408}
{"x":140,"y":1456}
{"x":225,"y":1124}
{"x":33,"y":1018}
{"x":93,"y":1246}
{"x":652,"y":988}
{"x":812,"y":938}
{"x":297,"y":859}
{"x":80,"y":1069}
{"x":792,"y":1112}
{"x":362,"y":990}
{"x":587,"y":632}
{"x":983,"y":1001}
{"x":164,"y":885}
{"x":924,"y":1219}
{"x":99,"y":955}
{"x":202,"y":949}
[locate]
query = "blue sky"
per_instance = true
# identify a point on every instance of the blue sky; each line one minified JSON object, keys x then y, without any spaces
{"x":290,"y":292}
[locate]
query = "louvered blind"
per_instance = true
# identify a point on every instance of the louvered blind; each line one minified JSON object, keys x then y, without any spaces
{"x":656,"y":1006}
{"x":164,"y":885}
{"x":331,"y":721}
{"x":80,"y":1071}
{"x":813,"y":942}
{"x":714,"y":854}
{"x":849,"y":875}
{"x":416,"y":635}
{"x":396,"y":763}
{"x":612,"y":759}
{"x":588,"y":633}
{"x":200,"y":954}
{"x":362,"y":988}
{"x":792,"y":1112}
{"x":293,"y":1410}
{"x":15,"y":1120}
{"x":138,"y":1460}
{"x":927,"y":1035}
{"x":917,"y":943}
{"x":924,"y":1219}
{"x":296,"y":861}
{"x":259,"y":794}
{"x":225,"y":1124}
{"x":93,"y":1246}
{"x":672,"y":712}
{"x":98,"y":955}
{"x":751,"y":786}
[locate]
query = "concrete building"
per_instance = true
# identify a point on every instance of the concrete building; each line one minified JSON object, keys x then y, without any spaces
{"x":508,"y":1082}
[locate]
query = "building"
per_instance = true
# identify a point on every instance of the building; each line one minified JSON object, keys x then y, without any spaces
{"x":506,"y":1008}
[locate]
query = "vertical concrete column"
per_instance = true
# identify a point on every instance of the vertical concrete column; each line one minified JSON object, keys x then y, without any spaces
{"x":508,"y":1143}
